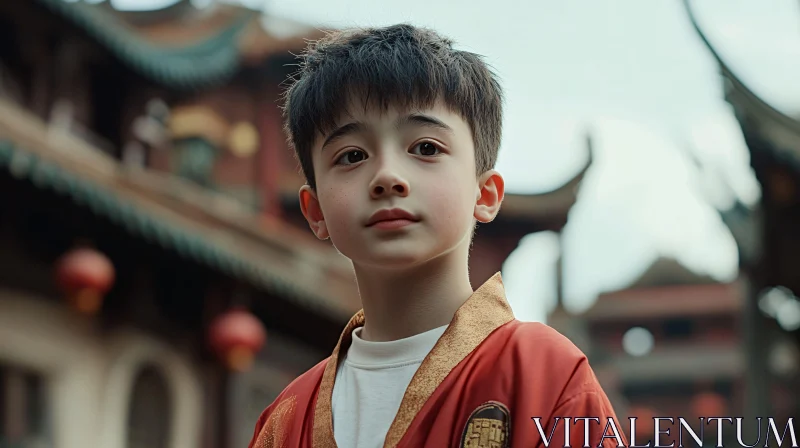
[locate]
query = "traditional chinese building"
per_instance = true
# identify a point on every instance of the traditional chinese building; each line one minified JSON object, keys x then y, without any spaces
{"x":768,"y":240}
{"x":669,"y":344}
{"x":158,"y":286}
{"x":137,"y":161}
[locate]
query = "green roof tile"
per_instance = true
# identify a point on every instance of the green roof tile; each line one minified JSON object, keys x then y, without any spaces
{"x":200,"y":65}
{"x":43,"y":174}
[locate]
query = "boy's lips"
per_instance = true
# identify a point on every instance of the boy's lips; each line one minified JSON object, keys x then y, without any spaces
{"x":391,"y":218}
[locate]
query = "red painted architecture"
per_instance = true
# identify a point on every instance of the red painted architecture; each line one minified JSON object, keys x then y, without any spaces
{"x":768,"y":240}
{"x":668,"y":345}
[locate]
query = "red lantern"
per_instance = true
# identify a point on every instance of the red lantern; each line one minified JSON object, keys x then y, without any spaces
{"x":709,"y":404}
{"x":236,"y":336}
{"x":85,"y":276}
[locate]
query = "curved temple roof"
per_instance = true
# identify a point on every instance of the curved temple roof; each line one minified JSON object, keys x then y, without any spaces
{"x":763,"y":124}
{"x":548,"y":210}
{"x":178,"y":216}
{"x":552,"y":203}
{"x":753,"y":113}
{"x":187,"y":51}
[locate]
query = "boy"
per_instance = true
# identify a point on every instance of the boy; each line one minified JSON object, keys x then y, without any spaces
{"x":397,"y":134}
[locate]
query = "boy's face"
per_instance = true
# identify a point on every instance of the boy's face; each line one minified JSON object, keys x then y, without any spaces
{"x":397,"y":188}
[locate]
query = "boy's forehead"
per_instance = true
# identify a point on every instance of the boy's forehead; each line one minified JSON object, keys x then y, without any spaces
{"x":363,"y":110}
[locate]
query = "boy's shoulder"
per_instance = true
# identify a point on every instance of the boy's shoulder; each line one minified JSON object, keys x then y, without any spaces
{"x":548,"y":375}
{"x":534,"y":347}
{"x":304,"y":386}
{"x":545,"y":340}
{"x":301,"y":392}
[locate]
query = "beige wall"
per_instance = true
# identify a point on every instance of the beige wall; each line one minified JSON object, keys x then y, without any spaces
{"x":89,"y":375}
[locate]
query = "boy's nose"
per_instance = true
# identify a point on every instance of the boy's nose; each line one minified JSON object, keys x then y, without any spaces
{"x":387,"y":184}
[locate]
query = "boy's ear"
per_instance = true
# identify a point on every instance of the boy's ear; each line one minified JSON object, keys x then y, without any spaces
{"x":309,"y":204}
{"x":491,"y":188}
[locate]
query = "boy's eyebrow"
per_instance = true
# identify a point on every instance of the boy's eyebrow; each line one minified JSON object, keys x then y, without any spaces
{"x":349,"y":128}
{"x":423,"y":120}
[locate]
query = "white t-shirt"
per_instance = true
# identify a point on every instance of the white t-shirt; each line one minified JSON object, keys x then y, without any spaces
{"x":370,"y":384}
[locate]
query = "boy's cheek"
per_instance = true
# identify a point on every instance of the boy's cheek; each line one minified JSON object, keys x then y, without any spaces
{"x":335,"y":200}
{"x":341,"y":216}
{"x":452,"y":195}
{"x":450,"y":210}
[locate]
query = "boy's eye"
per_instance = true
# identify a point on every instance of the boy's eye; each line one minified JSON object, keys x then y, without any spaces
{"x":351,"y":157}
{"x":425,"y":149}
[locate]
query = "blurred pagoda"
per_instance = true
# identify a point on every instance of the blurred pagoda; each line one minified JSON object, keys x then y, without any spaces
{"x":669,"y":344}
{"x":769,"y":243}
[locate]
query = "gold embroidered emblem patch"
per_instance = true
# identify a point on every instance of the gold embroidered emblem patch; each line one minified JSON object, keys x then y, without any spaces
{"x":488,"y":426}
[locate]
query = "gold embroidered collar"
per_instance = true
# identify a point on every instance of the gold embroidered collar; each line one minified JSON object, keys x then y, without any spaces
{"x":484,"y":311}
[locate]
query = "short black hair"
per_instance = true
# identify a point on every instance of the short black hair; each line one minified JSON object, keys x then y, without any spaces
{"x":400,"y":65}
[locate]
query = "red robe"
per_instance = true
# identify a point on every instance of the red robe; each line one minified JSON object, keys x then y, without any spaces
{"x":482,"y":385}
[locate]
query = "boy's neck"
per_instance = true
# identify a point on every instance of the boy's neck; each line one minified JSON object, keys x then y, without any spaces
{"x":398,"y":305}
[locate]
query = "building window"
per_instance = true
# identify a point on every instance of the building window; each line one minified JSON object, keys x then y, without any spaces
{"x":149,"y":416}
{"x":10,"y":89}
{"x":23,"y":409}
{"x":678,"y":328}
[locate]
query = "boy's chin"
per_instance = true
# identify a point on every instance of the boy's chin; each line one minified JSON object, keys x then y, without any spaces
{"x":397,"y":259}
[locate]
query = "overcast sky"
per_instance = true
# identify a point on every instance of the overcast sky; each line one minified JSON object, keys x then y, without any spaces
{"x":636,"y":74}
